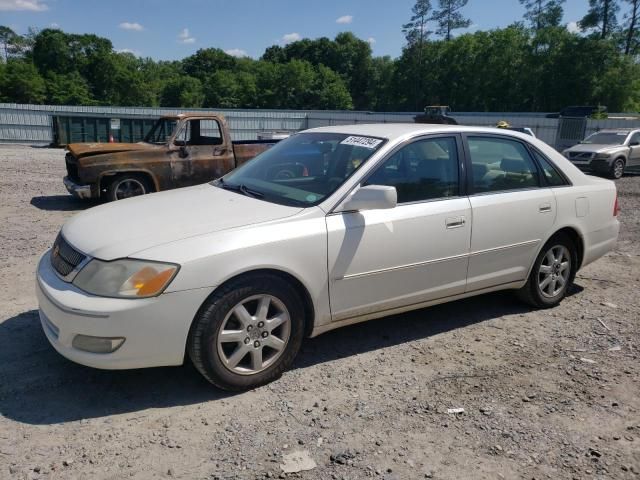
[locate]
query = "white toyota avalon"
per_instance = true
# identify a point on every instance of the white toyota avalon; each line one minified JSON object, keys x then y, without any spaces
{"x":330,"y":227}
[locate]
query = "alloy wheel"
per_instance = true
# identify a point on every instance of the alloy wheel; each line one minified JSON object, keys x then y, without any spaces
{"x":128,"y":188}
{"x":254,"y":334}
{"x":554,"y":271}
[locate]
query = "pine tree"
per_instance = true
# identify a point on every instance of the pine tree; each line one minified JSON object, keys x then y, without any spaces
{"x":449,"y":17}
{"x":416,"y":30}
{"x":601,"y":14}
{"x":632,"y":37}
{"x":543,"y":13}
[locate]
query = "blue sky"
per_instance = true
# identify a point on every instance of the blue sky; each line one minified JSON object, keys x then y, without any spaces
{"x":164,"y":29}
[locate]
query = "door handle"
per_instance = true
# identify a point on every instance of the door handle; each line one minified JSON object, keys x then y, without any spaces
{"x":455,"y":222}
{"x":544,"y":208}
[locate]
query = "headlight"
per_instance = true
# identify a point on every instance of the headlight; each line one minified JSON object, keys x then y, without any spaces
{"x":125,"y":278}
{"x":602,"y":156}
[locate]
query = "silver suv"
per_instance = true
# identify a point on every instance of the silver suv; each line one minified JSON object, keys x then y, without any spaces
{"x":610,"y":152}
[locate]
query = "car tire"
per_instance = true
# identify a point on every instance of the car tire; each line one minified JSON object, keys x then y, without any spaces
{"x":237,"y":343}
{"x":552,"y":274}
{"x":128,"y":185}
{"x":617,"y":169}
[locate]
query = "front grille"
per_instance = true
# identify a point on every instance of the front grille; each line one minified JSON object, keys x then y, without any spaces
{"x":72,"y":166}
{"x":64,"y":258}
{"x":580,"y":155}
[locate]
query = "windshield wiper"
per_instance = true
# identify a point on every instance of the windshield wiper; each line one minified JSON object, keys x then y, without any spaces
{"x":242,"y":188}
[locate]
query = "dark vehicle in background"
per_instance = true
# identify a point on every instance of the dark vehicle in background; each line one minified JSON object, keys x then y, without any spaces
{"x":436,"y":114}
{"x":610,"y":152}
{"x":179,"y":151}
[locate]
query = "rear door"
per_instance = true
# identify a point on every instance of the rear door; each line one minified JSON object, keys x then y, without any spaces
{"x":415,"y":252}
{"x":204,"y":155}
{"x":513,"y":210}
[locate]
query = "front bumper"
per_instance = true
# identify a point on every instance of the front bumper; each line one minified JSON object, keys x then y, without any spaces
{"x":600,"y":166}
{"x":155,"y":329}
{"x":80,"y":191}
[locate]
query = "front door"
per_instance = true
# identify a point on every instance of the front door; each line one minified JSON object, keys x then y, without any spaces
{"x":413,"y":253}
{"x":634,"y":152}
{"x":202,"y":155}
{"x":513,"y":211}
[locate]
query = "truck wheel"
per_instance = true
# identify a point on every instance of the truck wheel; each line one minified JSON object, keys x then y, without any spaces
{"x":128,"y":185}
{"x":617,"y":169}
{"x":247,"y":333}
{"x":552,"y":273}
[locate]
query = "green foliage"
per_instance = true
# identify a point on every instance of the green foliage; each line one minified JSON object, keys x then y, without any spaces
{"x":449,"y":18}
{"x":21,"y":83}
{"x":601,"y":15}
{"x":182,"y":91}
{"x":543,"y":13}
{"x":508,"y":69}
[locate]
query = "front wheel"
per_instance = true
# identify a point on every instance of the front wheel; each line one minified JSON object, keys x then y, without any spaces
{"x":552,"y":273}
{"x":247,"y":333}
{"x":617,"y":169}
{"x":127,"y":186}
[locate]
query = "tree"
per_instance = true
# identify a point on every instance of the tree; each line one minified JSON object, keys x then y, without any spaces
{"x":449,"y":17}
{"x":601,"y":14}
{"x":183,"y":91}
{"x":415,"y":30}
{"x":21,"y":83}
{"x":632,"y":38}
{"x":330,"y":91}
{"x":67,"y":89}
{"x":543,"y":13}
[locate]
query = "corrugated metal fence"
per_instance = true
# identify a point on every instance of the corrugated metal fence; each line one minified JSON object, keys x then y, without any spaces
{"x":32,"y":124}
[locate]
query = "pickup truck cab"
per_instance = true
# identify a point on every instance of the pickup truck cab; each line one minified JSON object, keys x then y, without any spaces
{"x":179,"y":151}
{"x":610,"y":152}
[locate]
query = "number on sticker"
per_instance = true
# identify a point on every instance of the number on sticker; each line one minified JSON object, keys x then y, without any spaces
{"x":366,"y":142}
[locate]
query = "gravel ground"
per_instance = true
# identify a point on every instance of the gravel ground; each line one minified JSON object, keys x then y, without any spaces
{"x":546,"y":394}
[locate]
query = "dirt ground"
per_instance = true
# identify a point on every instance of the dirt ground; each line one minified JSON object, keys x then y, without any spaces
{"x":546,"y":394}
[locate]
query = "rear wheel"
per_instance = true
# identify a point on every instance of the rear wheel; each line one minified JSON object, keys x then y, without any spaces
{"x":247,"y":333}
{"x":617,"y":169}
{"x":552,"y":273}
{"x":128,"y":185}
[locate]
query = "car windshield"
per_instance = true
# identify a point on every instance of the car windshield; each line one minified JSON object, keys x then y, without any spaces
{"x":302,"y":170}
{"x":606,"y":138}
{"x":161,"y":131}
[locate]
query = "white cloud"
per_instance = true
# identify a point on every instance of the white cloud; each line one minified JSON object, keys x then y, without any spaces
{"x":137,"y":53}
{"x":573,"y":27}
{"x":371,"y":41}
{"x":345,"y":19}
{"x":135,"y":26}
{"x":54,"y":25}
{"x":19,"y":5}
{"x":291,"y":37}
{"x":185,"y":37}
{"x":236,"y":52}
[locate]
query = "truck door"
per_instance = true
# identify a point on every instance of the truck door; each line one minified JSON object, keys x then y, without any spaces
{"x":202,"y":156}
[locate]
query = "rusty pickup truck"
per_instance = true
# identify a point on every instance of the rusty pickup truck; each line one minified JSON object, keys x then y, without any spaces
{"x":179,"y":151}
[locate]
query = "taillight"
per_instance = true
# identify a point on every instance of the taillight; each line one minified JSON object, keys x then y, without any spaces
{"x":616,"y":207}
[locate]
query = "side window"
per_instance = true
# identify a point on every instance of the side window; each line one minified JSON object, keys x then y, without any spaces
{"x":501,"y":164}
{"x":423,"y":170}
{"x":184,"y":135}
{"x":209,"y":133}
{"x":553,"y":177}
{"x":635,"y":138}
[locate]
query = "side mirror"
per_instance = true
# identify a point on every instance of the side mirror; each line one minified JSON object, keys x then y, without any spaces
{"x":371,"y":197}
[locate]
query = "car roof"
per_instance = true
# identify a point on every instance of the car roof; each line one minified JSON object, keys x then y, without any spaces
{"x":394,"y":131}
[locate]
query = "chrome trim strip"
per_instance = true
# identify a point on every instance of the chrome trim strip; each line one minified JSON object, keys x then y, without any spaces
{"x":438,"y":260}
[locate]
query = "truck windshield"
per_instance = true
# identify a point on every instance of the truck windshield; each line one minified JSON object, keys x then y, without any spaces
{"x":161,"y":131}
{"x":606,"y":138}
{"x":302,"y":170}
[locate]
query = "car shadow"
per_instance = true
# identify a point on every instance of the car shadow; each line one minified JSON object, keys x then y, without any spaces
{"x":62,"y":203}
{"x":40,"y":387}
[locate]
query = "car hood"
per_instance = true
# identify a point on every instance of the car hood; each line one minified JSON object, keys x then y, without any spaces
{"x":80,"y":150}
{"x":594,"y":148}
{"x":122,"y":228}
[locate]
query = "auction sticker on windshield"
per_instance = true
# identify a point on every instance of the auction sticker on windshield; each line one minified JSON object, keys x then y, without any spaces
{"x":366,"y":142}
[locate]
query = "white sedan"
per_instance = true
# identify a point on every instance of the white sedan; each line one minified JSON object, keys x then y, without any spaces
{"x":330,"y":227}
